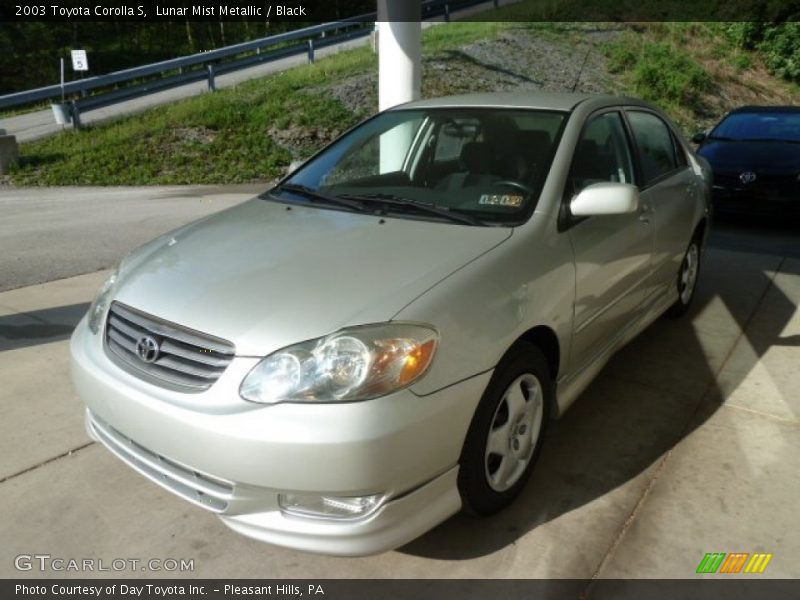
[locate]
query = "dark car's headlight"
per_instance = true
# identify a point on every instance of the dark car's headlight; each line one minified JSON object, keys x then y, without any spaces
{"x":353,"y":364}
{"x":100,"y":304}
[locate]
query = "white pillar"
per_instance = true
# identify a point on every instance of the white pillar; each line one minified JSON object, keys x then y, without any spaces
{"x":399,"y":52}
{"x":400,"y":72}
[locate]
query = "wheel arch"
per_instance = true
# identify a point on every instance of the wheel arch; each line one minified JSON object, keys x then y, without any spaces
{"x":546,"y":340}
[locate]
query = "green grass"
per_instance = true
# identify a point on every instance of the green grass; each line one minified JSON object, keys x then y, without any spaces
{"x":222,"y":137}
{"x":214,"y":138}
{"x":659,"y":71}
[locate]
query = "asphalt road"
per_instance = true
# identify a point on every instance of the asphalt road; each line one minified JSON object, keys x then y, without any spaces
{"x":53,"y":233}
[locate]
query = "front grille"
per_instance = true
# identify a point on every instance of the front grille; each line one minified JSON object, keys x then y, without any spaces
{"x":203,"y":490}
{"x":766,"y":187}
{"x":184,"y":359}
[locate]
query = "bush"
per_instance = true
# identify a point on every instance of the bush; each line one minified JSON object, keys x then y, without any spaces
{"x":660,"y":73}
{"x":779,"y":44}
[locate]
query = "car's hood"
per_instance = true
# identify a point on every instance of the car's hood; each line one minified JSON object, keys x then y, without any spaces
{"x":264,"y":277}
{"x":777,"y":158}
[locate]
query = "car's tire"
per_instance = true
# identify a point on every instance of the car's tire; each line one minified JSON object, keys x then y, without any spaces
{"x":506,"y":432}
{"x":688,"y":274}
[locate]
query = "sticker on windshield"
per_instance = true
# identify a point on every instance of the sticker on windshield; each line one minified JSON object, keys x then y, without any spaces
{"x":512,"y":200}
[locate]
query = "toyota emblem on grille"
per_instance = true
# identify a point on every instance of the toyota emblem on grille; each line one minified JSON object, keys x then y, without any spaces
{"x":147,"y":349}
{"x":747,"y":177}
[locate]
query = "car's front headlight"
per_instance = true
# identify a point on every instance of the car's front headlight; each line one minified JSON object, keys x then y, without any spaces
{"x":101,"y":301}
{"x":353,"y":364}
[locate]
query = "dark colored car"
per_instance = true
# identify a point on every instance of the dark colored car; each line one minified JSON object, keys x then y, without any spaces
{"x":754,"y":153}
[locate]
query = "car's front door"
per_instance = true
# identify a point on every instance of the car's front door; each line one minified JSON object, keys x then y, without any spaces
{"x":613,"y":253}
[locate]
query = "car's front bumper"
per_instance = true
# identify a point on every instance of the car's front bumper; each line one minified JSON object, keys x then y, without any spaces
{"x":235,"y":457}
{"x":758,"y":198}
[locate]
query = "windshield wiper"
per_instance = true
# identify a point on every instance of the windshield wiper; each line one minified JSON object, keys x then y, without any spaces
{"x":432,"y":209}
{"x":316,"y":196}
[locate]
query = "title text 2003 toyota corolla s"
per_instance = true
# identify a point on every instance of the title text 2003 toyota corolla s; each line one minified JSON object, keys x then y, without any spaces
{"x":380,"y":340}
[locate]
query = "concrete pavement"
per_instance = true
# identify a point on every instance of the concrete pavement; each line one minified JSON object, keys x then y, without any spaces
{"x":688,"y":442}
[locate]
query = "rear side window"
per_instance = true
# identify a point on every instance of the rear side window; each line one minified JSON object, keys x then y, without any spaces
{"x":656,"y":145}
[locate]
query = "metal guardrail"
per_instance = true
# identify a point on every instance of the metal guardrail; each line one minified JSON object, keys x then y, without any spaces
{"x":206,"y":65}
{"x":202,"y":58}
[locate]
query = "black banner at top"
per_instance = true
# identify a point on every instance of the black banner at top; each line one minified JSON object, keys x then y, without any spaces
{"x":318,"y":11}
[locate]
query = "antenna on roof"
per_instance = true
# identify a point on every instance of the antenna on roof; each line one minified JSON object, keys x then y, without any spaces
{"x":580,"y":71}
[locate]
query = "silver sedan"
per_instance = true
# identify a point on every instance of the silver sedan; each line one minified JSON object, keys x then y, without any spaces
{"x":381,"y":339}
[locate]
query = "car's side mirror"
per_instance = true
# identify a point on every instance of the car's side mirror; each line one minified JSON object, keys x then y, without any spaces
{"x":699,"y":137}
{"x":605,"y":198}
{"x":294,"y":165}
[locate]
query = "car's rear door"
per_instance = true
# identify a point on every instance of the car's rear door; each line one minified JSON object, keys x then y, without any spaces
{"x":670,"y":187}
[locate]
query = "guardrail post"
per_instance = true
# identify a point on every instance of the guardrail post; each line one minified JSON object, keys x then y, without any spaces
{"x":446,"y":12}
{"x":310,"y":51}
{"x":9,"y":151}
{"x":76,"y":116}
{"x":212,"y":87}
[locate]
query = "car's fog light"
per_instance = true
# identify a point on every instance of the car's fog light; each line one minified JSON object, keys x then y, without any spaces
{"x":330,"y":507}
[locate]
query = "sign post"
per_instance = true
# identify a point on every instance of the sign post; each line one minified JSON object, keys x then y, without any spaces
{"x":62,"y":79}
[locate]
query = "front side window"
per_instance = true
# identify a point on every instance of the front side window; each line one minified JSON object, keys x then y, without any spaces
{"x":602,"y":154}
{"x":656,"y":145}
{"x":484,"y":166}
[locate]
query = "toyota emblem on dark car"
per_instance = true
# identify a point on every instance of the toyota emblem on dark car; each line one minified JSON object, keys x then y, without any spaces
{"x":747,"y":177}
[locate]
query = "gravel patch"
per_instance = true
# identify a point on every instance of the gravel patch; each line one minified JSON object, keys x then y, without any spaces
{"x":300,"y":140}
{"x":518,"y":59}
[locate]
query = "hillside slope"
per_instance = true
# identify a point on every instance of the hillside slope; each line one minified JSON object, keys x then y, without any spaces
{"x":252,"y":132}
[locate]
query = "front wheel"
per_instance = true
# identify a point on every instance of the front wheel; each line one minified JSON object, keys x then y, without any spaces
{"x":687,"y":280}
{"x":506,"y":432}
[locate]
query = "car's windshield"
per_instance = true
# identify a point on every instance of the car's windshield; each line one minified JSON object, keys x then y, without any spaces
{"x":752,"y":126}
{"x":472,"y":166}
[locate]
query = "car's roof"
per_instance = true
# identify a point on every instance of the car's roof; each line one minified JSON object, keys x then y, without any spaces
{"x":526,"y":99}
{"x":765,"y":109}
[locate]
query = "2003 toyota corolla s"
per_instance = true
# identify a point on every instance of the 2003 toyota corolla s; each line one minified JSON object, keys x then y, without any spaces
{"x":350,"y":358}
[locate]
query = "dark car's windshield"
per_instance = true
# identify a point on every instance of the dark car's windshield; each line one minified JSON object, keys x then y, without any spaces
{"x":753,"y":126}
{"x":472,"y":166}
